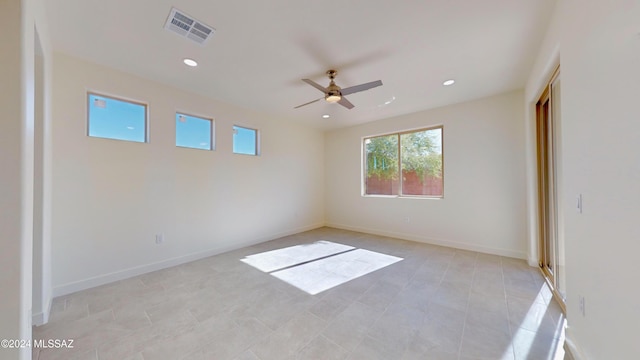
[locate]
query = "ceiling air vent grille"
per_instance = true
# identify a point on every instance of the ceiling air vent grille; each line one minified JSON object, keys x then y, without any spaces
{"x":186,"y":26}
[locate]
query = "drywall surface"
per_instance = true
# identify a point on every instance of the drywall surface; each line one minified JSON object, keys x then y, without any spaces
{"x":483,"y":207}
{"x":598,"y":48}
{"x":111,"y":198}
{"x":14,"y":142}
{"x":18,"y":23}
{"x":42,"y":288}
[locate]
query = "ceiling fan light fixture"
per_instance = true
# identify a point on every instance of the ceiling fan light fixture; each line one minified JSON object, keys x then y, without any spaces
{"x":333,"y":98}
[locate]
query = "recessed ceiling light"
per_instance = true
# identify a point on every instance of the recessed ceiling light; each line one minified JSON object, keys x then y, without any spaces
{"x":326,"y":116}
{"x":190,"y":62}
{"x":449,"y":82}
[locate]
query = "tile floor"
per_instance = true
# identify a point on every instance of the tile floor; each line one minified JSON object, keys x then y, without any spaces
{"x":436,"y":303}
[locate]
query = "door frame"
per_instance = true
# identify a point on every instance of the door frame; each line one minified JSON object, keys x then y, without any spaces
{"x":546,"y":130}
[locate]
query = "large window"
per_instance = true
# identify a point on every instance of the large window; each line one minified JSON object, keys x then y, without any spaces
{"x":194,"y":132}
{"x":404,"y":164}
{"x":118,"y":119}
{"x":245,"y":140}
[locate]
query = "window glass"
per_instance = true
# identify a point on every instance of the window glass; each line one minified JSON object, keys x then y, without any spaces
{"x":422,"y":162}
{"x":116,"y":119}
{"x":194,"y":132}
{"x":382,"y":165}
{"x":245,"y":141}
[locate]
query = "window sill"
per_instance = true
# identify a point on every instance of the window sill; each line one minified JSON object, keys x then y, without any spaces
{"x":419,"y":197}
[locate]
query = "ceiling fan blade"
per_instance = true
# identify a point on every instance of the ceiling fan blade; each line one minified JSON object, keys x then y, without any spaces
{"x":315,"y":85}
{"x":361,"y":87}
{"x":346,"y":103}
{"x":310,"y":102}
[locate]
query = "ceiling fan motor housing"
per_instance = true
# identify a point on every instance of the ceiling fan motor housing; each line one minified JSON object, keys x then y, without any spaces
{"x":333,"y":94}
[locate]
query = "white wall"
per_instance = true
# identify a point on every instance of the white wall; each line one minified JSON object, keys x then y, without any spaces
{"x":111,"y":197}
{"x":42,"y":288}
{"x":598,"y":45}
{"x":18,"y":22}
{"x":484,"y":179}
{"x":12,"y":197}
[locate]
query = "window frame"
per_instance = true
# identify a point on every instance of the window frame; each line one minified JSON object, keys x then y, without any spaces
{"x":122,"y":99}
{"x":257,"y":140}
{"x":399,"y":134}
{"x":212,"y":131}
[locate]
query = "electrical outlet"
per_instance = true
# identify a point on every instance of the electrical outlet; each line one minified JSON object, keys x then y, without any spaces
{"x":407,"y":219}
{"x":159,"y":239}
{"x":582,"y":303}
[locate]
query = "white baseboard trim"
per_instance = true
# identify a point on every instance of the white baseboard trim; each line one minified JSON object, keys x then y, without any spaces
{"x":99,"y":280}
{"x":571,"y":348}
{"x":440,"y":242}
{"x":42,"y":317}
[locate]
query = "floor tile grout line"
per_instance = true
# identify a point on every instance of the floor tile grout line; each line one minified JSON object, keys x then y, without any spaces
{"x":506,"y":303}
{"x":333,"y":342}
{"x":466,"y":313}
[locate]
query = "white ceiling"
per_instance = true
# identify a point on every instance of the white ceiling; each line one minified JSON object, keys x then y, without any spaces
{"x":261,"y":49}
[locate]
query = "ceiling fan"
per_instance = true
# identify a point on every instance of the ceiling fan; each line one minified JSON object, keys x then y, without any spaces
{"x":333,"y":93}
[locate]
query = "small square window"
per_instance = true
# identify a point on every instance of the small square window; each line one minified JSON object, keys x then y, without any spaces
{"x":118,"y":119}
{"x":194,"y":132}
{"x":245,"y":140}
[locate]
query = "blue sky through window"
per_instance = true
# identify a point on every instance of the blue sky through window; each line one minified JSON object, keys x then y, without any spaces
{"x":244,"y":141}
{"x":193,"y":132}
{"x":116,"y":119}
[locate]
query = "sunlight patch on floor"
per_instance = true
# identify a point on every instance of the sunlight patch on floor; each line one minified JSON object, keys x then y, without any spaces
{"x":320,"y":266}
{"x":528,"y":341}
{"x":286,"y":257}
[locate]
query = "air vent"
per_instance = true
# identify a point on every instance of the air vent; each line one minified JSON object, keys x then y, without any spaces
{"x":186,"y":26}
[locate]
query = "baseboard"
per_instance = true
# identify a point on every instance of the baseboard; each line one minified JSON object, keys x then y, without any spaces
{"x":99,"y":280}
{"x":37,"y":319}
{"x":41,"y":318}
{"x":440,"y":242}
{"x":571,"y":351}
